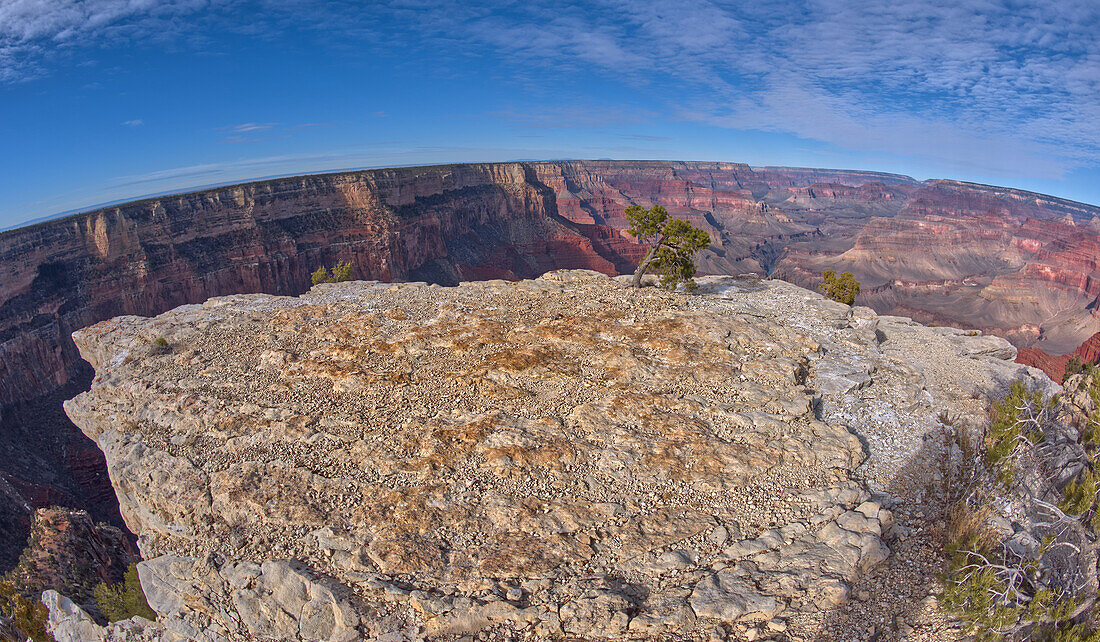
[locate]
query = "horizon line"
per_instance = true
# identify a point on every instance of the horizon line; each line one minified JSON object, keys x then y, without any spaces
{"x":195,"y":189}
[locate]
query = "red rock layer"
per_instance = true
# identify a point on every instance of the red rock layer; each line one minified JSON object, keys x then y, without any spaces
{"x":1055,"y":365}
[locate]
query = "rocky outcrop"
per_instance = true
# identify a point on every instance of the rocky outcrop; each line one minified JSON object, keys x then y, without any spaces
{"x":565,"y":456}
{"x":441,"y":224}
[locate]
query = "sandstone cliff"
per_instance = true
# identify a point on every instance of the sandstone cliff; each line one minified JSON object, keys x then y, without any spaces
{"x":1055,"y":365}
{"x":559,"y":457}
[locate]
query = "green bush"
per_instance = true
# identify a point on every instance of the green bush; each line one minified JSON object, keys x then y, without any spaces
{"x":22,"y":618}
{"x":1076,"y":366}
{"x":1019,"y":416}
{"x":999,"y":594}
{"x":124,"y":600}
{"x":843,"y":288}
{"x":1079,"y":496}
{"x":1001,"y":598}
{"x":340,"y":272}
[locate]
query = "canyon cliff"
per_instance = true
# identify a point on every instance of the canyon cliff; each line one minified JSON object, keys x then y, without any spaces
{"x":1013,"y":263}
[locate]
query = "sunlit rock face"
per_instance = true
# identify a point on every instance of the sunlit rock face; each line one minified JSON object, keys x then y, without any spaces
{"x":565,"y":456}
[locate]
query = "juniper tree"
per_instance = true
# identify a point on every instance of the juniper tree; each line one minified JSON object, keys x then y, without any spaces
{"x":340,"y":272}
{"x":672,"y":245}
{"x":843,"y":288}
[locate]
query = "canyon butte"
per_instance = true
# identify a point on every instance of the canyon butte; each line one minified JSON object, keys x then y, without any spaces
{"x":1006,"y":262}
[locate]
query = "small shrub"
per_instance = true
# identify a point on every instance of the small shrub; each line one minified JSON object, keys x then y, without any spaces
{"x":1019,"y":417}
{"x":1076,"y":366}
{"x":124,"y":600}
{"x":22,"y":618}
{"x":340,"y":272}
{"x":989,"y":585}
{"x":1079,"y":496}
{"x":161,"y":342}
{"x":843,"y":288}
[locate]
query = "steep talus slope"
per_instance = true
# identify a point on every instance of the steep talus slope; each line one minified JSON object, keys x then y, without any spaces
{"x":561,"y":457}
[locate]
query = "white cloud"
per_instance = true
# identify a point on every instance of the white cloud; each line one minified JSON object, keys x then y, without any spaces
{"x":250,"y":127}
{"x":1010,"y":86}
{"x":31,"y":30}
{"x":137,"y":122}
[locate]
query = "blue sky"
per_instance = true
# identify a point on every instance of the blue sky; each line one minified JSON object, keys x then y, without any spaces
{"x":109,"y":99}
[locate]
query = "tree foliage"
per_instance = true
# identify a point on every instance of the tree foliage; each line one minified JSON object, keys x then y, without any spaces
{"x":124,"y":600}
{"x":340,"y":272}
{"x":1018,"y":421}
{"x":843,"y":288}
{"x":1076,"y":365}
{"x":20,"y":618}
{"x":672,"y":242}
{"x":1007,"y":592}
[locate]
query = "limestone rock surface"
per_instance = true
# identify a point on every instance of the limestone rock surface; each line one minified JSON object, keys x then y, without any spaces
{"x":559,"y":457}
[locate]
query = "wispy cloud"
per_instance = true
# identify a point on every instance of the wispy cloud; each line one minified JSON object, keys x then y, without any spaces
{"x":245,"y":128}
{"x":236,"y":140}
{"x":32,"y":30}
{"x":1007,"y":86}
{"x":1010,"y":86}
{"x":137,"y":122}
{"x":647,"y":138}
{"x":261,"y":132}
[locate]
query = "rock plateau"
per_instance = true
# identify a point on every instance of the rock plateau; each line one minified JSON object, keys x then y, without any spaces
{"x":564,"y":457}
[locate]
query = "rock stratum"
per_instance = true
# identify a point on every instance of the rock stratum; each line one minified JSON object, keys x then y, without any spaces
{"x":1008,"y":262}
{"x":564,"y":457}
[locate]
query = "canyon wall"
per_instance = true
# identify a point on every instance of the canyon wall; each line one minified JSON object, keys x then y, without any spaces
{"x":1014,"y":263}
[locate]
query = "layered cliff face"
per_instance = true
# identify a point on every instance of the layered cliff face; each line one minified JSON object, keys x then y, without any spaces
{"x":1022,"y":265}
{"x":566,"y":457}
{"x":1018,"y":264}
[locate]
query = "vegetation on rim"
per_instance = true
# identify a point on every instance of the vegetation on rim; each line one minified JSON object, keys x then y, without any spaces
{"x":124,"y":600}
{"x":340,"y":272}
{"x":672,"y":242}
{"x":20,"y":618}
{"x":843,"y":288}
{"x":1002,"y":588}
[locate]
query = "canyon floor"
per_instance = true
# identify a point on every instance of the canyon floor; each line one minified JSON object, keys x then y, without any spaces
{"x":564,"y":457}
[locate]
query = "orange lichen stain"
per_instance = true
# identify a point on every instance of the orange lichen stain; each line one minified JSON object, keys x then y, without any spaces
{"x":519,"y":359}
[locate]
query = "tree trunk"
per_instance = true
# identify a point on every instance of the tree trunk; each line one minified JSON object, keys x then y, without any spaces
{"x":642,"y":266}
